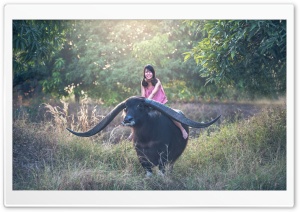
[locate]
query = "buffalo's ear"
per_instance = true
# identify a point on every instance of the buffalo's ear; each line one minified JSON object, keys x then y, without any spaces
{"x":153,"y":113}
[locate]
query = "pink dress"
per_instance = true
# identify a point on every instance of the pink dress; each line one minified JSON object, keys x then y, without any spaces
{"x":160,"y":95}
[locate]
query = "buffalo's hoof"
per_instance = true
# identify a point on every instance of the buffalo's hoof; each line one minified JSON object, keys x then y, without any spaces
{"x":149,"y":174}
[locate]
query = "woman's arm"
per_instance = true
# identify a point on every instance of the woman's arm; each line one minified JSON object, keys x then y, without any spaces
{"x":158,"y":84}
{"x":142,"y":90}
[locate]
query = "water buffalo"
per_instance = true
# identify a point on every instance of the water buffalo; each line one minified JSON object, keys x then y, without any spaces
{"x":157,"y":140}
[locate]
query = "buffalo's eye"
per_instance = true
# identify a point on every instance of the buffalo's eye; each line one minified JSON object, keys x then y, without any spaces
{"x":125,"y":109}
{"x":140,"y":106}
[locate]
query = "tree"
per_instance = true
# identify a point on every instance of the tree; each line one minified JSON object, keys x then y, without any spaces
{"x":98,"y":59}
{"x":105,"y":59}
{"x":35,"y":43}
{"x":249,"y":55}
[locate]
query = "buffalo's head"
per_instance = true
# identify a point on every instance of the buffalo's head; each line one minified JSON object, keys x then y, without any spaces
{"x":136,"y":109}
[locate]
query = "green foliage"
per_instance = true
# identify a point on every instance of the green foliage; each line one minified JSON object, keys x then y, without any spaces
{"x":154,"y":51}
{"x":35,"y":44}
{"x":178,"y":91}
{"x":109,"y":56}
{"x":247,"y":54}
{"x":104,"y":59}
{"x":33,"y":41}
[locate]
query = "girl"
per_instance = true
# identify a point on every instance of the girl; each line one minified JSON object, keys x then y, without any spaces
{"x":152,"y":88}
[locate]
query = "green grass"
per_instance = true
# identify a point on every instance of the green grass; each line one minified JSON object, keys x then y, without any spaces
{"x":248,"y":154}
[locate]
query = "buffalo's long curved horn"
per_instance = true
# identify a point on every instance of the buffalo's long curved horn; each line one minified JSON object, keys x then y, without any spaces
{"x":102,"y":123}
{"x":178,"y":116}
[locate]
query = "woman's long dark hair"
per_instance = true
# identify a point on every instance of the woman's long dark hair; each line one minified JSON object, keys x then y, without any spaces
{"x":153,"y":80}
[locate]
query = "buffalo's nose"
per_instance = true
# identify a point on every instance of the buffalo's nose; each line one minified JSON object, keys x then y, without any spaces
{"x":128,"y":120}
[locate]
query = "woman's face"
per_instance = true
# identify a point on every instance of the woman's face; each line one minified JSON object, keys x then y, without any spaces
{"x":148,"y":74}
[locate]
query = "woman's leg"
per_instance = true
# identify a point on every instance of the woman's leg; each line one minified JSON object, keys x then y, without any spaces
{"x":183,"y":131}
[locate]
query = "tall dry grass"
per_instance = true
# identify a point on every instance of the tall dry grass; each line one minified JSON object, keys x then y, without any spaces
{"x":246,"y":153}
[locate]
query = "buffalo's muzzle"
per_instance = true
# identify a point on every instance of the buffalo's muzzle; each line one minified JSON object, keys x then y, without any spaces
{"x":128,"y":121}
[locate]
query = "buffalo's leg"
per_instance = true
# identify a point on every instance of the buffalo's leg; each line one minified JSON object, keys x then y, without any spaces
{"x":147,"y":167}
{"x":148,"y":173}
{"x":162,"y":169}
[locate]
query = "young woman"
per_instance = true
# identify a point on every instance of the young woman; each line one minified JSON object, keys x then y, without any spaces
{"x":152,"y":88}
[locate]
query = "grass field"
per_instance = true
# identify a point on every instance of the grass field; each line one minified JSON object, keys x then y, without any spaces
{"x":246,"y":150}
